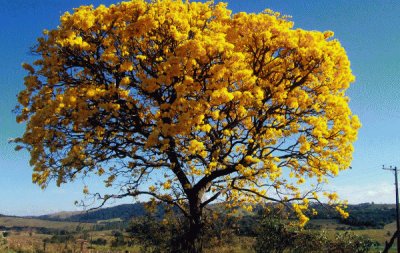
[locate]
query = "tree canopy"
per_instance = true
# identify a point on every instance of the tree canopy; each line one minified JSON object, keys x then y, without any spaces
{"x":188,"y":103}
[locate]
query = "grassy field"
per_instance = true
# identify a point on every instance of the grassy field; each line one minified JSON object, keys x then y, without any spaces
{"x":33,"y":242}
{"x":379,"y":235}
{"x":30,"y":241}
{"x":25,"y":242}
{"x":36,"y":223}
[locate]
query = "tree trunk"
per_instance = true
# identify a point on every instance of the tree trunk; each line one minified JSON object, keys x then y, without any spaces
{"x":193,"y":242}
{"x":193,"y":238}
{"x":389,"y":244}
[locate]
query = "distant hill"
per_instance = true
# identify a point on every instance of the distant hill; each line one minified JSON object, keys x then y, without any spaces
{"x":60,"y":215}
{"x":121,"y":212}
{"x":366,"y":215}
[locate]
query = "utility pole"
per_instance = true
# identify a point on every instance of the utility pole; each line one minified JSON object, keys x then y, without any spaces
{"x":397,"y":206}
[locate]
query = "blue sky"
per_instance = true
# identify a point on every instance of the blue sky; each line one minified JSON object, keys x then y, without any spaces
{"x":369,"y":30}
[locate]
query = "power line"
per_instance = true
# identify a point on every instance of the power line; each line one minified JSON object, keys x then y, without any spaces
{"x":397,"y":205}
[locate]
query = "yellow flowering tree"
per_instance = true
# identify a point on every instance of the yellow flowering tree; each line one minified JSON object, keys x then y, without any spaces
{"x":190,"y":104}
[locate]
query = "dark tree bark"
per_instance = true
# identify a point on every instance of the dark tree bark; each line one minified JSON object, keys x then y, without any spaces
{"x":193,"y":241}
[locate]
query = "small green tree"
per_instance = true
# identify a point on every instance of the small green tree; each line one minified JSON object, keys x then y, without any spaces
{"x":118,"y":239}
{"x":274,"y":236}
{"x":155,"y":235}
{"x":3,"y":240}
{"x":99,"y":241}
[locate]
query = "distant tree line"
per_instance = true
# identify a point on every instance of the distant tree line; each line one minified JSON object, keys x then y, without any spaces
{"x":362,"y":216}
{"x":366,"y":215}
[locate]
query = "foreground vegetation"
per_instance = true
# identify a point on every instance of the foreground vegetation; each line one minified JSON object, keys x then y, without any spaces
{"x":258,"y":231}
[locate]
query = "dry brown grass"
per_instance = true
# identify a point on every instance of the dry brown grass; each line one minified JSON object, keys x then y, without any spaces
{"x":32,"y":243}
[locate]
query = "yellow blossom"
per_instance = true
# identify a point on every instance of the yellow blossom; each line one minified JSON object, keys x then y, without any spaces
{"x":180,"y":93}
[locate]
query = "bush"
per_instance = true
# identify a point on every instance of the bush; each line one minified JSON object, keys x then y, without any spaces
{"x":118,"y":239}
{"x":274,"y":236}
{"x":351,"y":243}
{"x":99,"y":241}
{"x":278,"y":236}
{"x":62,"y":238}
{"x":156,"y":236}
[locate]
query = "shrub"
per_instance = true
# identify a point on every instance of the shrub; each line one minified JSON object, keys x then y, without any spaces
{"x":99,"y":241}
{"x":278,"y":236}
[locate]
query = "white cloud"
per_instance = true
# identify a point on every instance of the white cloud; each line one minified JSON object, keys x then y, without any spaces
{"x":381,"y":192}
